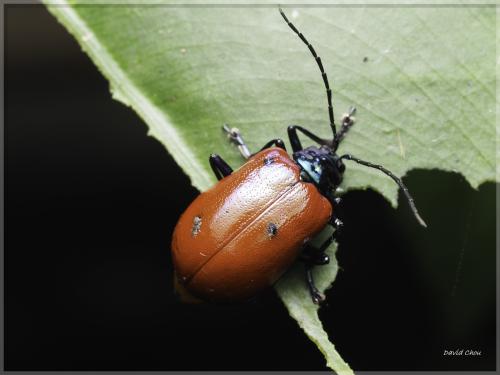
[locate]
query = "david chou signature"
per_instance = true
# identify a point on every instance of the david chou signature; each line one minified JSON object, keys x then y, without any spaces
{"x":462,"y":352}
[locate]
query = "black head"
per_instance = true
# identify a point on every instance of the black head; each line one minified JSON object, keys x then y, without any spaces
{"x":320,"y":166}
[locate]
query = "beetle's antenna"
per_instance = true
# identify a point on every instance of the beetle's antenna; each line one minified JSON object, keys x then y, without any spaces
{"x":323,"y":74}
{"x":396,"y":179}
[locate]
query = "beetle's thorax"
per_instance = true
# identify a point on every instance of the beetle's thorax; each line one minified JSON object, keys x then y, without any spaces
{"x":320,"y":166}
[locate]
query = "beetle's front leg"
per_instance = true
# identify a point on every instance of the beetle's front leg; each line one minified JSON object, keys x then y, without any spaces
{"x":295,"y":141}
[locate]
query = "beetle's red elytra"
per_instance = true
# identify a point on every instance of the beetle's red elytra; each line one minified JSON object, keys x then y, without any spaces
{"x":241,"y":235}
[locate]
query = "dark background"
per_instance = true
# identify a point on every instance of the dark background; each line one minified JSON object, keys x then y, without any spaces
{"x":91,"y":202}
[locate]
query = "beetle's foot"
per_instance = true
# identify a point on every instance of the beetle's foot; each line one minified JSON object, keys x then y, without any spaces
{"x":348,"y":118}
{"x":317,"y":297}
{"x":235,"y":137}
{"x":233,"y":134}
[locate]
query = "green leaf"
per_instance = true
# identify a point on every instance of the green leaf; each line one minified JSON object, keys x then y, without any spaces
{"x":422,"y":79}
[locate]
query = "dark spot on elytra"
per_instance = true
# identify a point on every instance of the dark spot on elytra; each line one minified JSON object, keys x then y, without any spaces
{"x":272,"y":230}
{"x":269,"y":160}
{"x":365,"y":59}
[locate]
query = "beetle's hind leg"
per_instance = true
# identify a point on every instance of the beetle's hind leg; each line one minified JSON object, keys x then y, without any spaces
{"x":316,"y":256}
{"x":219,"y":166}
{"x":316,"y":295}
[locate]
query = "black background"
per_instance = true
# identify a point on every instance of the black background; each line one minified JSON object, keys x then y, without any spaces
{"x":91,"y":202}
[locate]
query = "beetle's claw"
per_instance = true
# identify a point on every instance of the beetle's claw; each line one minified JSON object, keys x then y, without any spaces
{"x":318,"y":298}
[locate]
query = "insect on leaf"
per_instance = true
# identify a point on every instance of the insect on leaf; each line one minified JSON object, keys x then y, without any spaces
{"x":422,"y":79}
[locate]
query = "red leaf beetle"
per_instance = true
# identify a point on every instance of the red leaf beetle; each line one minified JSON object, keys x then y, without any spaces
{"x":241,"y":235}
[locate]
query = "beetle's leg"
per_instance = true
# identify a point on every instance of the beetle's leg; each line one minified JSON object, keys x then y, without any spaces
{"x":316,"y":256}
{"x":335,"y":222}
{"x":295,"y":141}
{"x":219,"y":166}
{"x":316,"y":295}
{"x":275,"y":142}
{"x":235,"y":137}
{"x":313,"y":256}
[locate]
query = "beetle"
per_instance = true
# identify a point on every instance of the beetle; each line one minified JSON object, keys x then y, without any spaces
{"x":240,"y":236}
